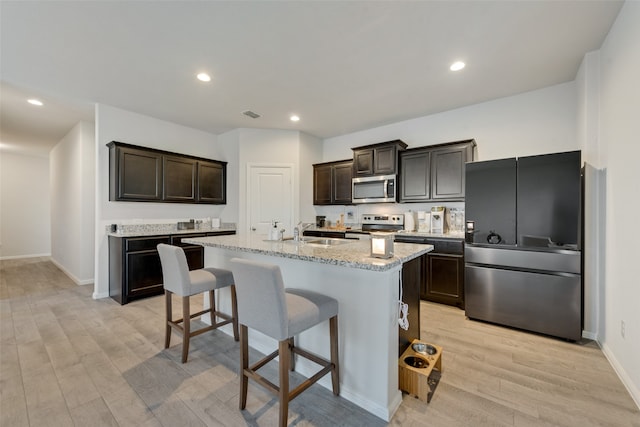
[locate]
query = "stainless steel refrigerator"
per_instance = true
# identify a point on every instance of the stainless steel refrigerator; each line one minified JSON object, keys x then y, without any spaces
{"x":523,"y":259}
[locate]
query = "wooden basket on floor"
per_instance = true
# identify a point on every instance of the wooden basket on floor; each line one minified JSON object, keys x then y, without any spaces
{"x":415,"y":367}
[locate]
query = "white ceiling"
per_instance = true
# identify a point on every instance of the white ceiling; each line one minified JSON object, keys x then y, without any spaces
{"x":342,"y":66}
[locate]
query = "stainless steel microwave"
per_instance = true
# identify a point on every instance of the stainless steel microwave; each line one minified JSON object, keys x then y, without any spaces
{"x":374,"y":189}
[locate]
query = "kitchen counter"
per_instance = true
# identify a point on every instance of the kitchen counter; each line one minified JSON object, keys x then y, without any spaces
{"x":358,"y":229}
{"x":355,"y":254}
{"x":459,"y":235}
{"x":142,"y":230}
{"x":367,"y":290}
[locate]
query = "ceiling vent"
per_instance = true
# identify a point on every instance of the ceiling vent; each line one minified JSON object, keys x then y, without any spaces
{"x":251,"y":114}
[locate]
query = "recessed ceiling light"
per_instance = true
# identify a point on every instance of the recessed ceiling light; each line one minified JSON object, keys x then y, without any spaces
{"x":35,"y":102}
{"x":204,"y":77}
{"x":457,"y":66}
{"x":294,"y":118}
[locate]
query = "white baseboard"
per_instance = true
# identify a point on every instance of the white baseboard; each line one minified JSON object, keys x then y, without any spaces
{"x":100,"y":295}
{"x":24,"y":256}
{"x":590,"y":335}
{"x":76,"y":280}
{"x":622,"y":374}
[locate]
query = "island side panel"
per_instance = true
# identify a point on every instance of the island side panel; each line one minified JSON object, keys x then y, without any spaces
{"x":368,"y":326}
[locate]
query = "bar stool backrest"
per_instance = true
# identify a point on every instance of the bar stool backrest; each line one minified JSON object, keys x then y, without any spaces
{"x":175,"y":270}
{"x":261,"y":297}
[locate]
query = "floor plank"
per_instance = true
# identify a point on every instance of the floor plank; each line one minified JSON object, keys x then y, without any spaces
{"x":66,"y":359}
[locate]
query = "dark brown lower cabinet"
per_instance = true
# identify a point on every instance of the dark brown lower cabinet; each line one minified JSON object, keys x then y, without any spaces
{"x":134,"y":267}
{"x":442,"y":269}
{"x":445,"y":279}
{"x":135,"y":270}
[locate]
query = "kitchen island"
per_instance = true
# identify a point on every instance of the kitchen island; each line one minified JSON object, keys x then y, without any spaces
{"x":367,"y":290}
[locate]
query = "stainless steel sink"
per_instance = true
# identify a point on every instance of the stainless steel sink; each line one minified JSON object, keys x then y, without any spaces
{"x":328,"y":241}
{"x":320,"y":241}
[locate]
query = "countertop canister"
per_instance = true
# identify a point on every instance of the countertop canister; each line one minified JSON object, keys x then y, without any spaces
{"x":409,"y":221}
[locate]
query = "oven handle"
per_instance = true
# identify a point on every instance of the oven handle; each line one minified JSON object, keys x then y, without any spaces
{"x":386,"y":186}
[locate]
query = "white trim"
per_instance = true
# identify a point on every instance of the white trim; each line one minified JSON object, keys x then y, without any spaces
{"x":71,"y":276}
{"x":622,"y":374}
{"x":25,"y":256}
{"x":590,"y":335}
{"x":100,"y":295}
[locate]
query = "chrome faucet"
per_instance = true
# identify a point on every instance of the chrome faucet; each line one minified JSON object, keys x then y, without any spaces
{"x":299,"y":230}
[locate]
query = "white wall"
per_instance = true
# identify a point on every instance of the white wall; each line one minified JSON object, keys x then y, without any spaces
{"x":537,"y":122}
{"x":277,"y":147}
{"x":587,"y":125}
{"x":229,"y":144}
{"x":310,"y":153}
{"x":619,"y":105}
{"x":72,"y":176}
{"x":114,"y":124}
{"x":24,"y":206}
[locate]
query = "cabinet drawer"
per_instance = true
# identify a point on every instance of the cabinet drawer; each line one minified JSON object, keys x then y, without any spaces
{"x":145,"y":243}
{"x":177,"y":239}
{"x":447,"y":246}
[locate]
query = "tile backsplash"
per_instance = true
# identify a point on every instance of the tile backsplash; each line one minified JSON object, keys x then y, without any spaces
{"x":353,"y":213}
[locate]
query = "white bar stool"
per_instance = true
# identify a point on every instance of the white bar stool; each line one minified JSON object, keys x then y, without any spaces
{"x":266,"y":306}
{"x":180,"y":281}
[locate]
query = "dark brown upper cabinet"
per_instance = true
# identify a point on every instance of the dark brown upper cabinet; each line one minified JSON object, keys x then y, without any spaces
{"x":435,"y":172}
{"x":212,"y":182}
{"x":179,"y":179}
{"x":415,"y":175}
{"x":142,"y":174}
{"x":332,"y":183}
{"x":377,"y":159}
{"x":134,"y":174}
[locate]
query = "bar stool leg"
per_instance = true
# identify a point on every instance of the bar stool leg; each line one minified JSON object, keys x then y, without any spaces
{"x":212,"y":306}
{"x":234,"y":312}
{"x":167,"y":333}
{"x":283,"y":395}
{"x":335,"y":370}
{"x":244,"y":364}
{"x":186,"y":327}
{"x":292,"y":362}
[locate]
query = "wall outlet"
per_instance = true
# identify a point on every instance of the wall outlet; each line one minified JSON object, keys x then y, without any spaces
{"x":622,"y":331}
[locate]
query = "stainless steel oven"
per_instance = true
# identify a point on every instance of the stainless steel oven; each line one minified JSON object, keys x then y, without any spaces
{"x":374,"y":189}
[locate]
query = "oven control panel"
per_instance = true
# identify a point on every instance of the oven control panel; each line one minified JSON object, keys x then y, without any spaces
{"x":382,"y":222}
{"x":382,"y":219}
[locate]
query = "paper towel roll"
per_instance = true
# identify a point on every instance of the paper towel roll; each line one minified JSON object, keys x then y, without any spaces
{"x":409,"y":221}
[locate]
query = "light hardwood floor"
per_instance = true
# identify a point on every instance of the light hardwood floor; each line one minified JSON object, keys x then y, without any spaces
{"x":66,"y":359}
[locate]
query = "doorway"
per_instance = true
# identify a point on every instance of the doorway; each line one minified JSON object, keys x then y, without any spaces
{"x":270,"y":197}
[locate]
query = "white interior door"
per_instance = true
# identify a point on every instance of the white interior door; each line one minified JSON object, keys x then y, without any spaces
{"x":270,"y":197}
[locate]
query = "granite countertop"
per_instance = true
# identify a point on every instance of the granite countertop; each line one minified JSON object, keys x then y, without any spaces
{"x":447,"y":235}
{"x":142,"y":230}
{"x":358,"y":229}
{"x":355,"y":254}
